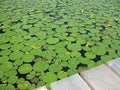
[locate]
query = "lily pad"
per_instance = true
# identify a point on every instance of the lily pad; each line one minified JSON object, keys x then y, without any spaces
{"x":16,"y":55}
{"x":75,"y":54}
{"x":16,"y":47}
{"x":5,"y":52}
{"x":1,"y":74}
{"x":5,"y":46}
{"x":12,"y":79}
{"x":72,"y":71}
{"x":62,"y":75}
{"x":90,"y":55}
{"x":74,"y":47}
{"x":28,"y":58}
{"x":10,"y":87}
{"x":4,"y":59}
{"x":6,"y":66}
{"x":52,"y":40}
{"x":55,"y":68}
{"x":16,"y":39}
{"x":40,"y":66}
{"x":25,"y":68}
{"x":49,"y":77}
{"x":3,"y":86}
{"x":98,"y":50}
{"x":23,"y":85}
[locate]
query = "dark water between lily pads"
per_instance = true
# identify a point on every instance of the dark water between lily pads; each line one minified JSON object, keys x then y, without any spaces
{"x":45,"y":41}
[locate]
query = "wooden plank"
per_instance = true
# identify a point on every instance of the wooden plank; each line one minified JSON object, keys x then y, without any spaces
{"x":74,"y":82}
{"x":41,"y":88}
{"x":115,"y":65}
{"x":102,"y":78}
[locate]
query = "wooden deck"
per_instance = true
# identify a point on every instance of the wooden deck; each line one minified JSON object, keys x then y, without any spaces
{"x":103,"y":77}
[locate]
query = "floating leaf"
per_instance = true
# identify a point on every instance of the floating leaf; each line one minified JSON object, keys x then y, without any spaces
{"x":5,"y":46}
{"x":6,"y":66}
{"x":55,"y":68}
{"x":40,"y":66}
{"x":52,"y":40}
{"x":18,"y":62}
{"x":71,"y":39}
{"x":75,"y":54}
{"x":9,"y":87}
{"x":1,"y":74}
{"x":4,"y":59}
{"x":16,"y":55}
{"x":72,"y":71}
{"x":99,"y":50}
{"x":25,"y":68}
{"x":16,"y":47}
{"x":12,"y":79}
{"x":90,"y":55}
{"x":16,"y":39}
{"x":74,"y":47}
{"x":28,"y":58}
{"x":49,"y":77}
{"x":5,"y":52}
{"x":3,"y":86}
{"x":91,"y":64}
{"x":62,"y":75}
{"x":23,"y":85}
{"x":81,"y":69}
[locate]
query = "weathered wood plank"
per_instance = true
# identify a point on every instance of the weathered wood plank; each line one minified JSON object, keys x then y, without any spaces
{"x":115,"y":65}
{"x":74,"y":82}
{"x":102,"y":78}
{"x":41,"y":88}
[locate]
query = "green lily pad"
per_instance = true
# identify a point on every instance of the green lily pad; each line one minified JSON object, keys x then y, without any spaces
{"x":71,"y":39}
{"x":4,"y":40}
{"x":36,"y":52}
{"x":90,"y":55}
{"x":106,"y":58}
{"x":12,"y":79}
{"x":6,"y":66}
{"x":55,"y":68}
{"x":1,"y":74}
{"x":3,"y":86}
{"x":40,"y":66}
{"x":23,"y":85}
{"x":49,"y":77}
{"x":5,"y":52}
{"x":81,"y":69}
{"x":91,"y":64}
{"x":72,"y":71}
{"x":98,"y":50}
{"x":52,"y":40}
{"x":86,"y":48}
{"x":75,"y":54}
{"x":5,"y":46}
{"x":28,"y":58}
{"x":74,"y":47}
{"x":26,"y":26}
{"x":4,"y":59}
{"x":25,"y":68}
{"x":84,"y":60}
{"x":16,"y":55}
{"x":9,"y":87}
{"x":11,"y":73}
{"x":16,"y":47}
{"x":62,"y":75}
{"x":16,"y":39}
{"x":74,"y":61}
{"x":18,"y":62}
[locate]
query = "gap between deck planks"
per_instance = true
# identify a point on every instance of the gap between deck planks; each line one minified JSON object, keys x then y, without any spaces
{"x":99,"y":78}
